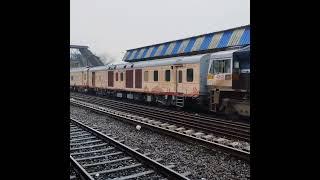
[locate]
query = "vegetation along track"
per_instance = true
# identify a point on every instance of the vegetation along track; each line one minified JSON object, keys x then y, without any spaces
{"x":94,"y":155}
{"x":209,"y":125}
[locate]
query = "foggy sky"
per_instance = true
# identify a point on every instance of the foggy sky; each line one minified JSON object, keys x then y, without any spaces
{"x":113,"y":26}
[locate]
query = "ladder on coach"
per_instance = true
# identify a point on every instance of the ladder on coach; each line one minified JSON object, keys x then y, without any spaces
{"x":180,"y":101}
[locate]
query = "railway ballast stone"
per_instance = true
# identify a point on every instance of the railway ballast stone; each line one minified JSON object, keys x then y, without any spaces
{"x":164,"y":125}
{"x":190,"y":131}
{"x":235,"y":144}
{"x":221,"y":140}
{"x":156,"y":122}
{"x":171,"y":127}
{"x":151,"y":121}
{"x":145,"y":119}
{"x":208,"y":137}
{"x":181,"y":129}
{"x":198,"y":134}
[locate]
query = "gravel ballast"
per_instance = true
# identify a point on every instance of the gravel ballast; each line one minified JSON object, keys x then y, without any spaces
{"x":200,"y":162}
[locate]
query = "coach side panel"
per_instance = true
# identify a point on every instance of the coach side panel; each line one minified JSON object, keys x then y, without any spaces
{"x":76,"y":79}
{"x":159,"y":80}
{"x":119,"y":79}
{"x":189,"y":82}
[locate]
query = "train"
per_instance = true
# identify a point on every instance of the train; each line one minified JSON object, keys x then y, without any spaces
{"x":217,"y":82}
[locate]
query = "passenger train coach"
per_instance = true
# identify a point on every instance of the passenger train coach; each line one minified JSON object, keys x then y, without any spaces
{"x":219,"y":82}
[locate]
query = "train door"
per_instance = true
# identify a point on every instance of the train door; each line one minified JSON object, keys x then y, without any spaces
{"x":82,"y":80}
{"x":179,"y":86}
{"x":179,"y":79}
{"x":110,"y":78}
{"x":84,"y":77}
{"x":138,"y":78}
{"x":129,"y":79}
{"x":93,"y":79}
{"x":241,"y":70}
{"x":87,"y":77}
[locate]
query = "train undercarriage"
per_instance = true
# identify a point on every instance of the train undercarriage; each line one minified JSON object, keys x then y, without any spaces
{"x":232,"y":104}
{"x":163,"y":100}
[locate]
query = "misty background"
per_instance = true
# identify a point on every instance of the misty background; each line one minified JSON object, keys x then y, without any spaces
{"x":110,"y":27}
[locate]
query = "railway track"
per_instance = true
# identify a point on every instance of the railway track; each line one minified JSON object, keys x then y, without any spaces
{"x":209,"y":125}
{"x":168,"y":129}
{"x":94,"y":155}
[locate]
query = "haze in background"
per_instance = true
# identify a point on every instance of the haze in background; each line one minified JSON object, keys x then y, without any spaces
{"x":110,"y":27}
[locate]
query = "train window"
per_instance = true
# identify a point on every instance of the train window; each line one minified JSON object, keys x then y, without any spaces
{"x":121,"y":76}
{"x":155,"y":75}
{"x":146,"y":76}
{"x":116,"y":76}
{"x":167,"y":75}
{"x":221,"y":66}
{"x":71,"y":78}
{"x":180,"y":77}
{"x":189,"y":75}
{"x":236,"y":64}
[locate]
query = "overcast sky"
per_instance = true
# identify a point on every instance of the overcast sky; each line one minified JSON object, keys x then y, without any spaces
{"x":113,"y":26}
